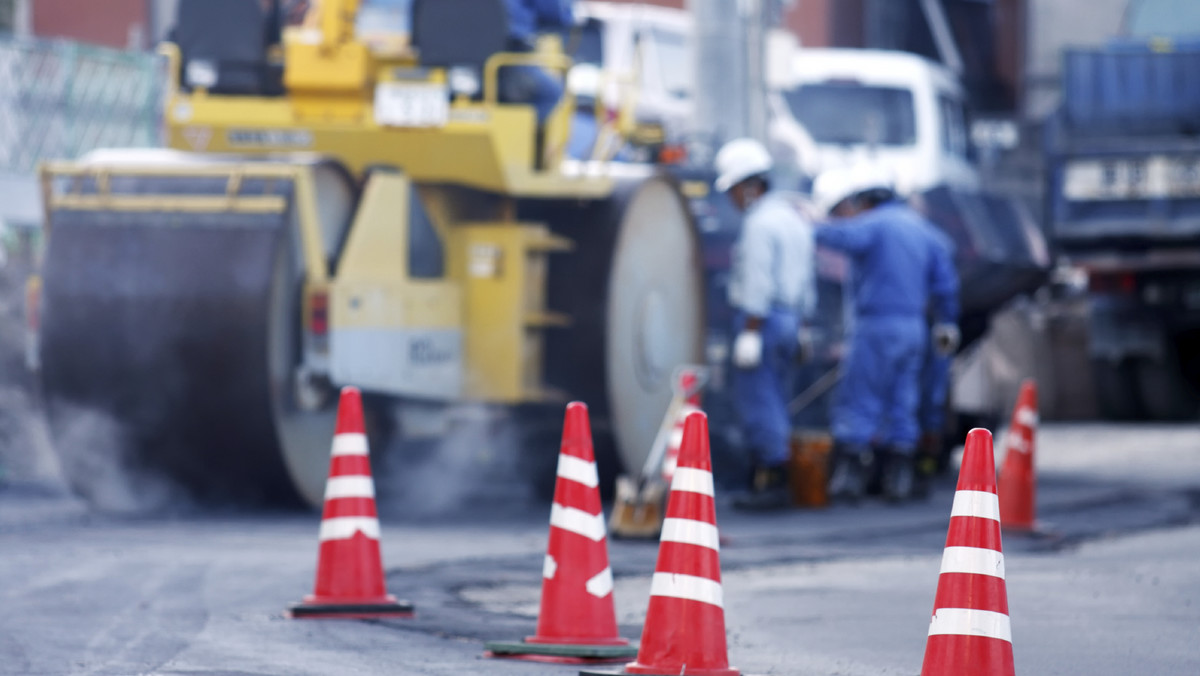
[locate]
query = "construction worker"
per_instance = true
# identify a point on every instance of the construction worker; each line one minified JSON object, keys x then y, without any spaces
{"x":531,"y":84}
{"x":772,"y":287}
{"x":902,"y":267}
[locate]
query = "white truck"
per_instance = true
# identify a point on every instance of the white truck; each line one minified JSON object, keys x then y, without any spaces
{"x":833,"y":107}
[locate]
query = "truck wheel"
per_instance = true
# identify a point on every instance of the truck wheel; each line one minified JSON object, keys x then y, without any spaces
{"x":1116,"y":390}
{"x":1165,"y":393}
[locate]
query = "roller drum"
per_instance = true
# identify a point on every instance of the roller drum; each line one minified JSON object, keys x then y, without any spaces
{"x":160,"y":330}
{"x":633,"y":287}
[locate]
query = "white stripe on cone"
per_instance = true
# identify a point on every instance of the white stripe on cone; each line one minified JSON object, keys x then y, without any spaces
{"x":601,"y":584}
{"x":1027,"y":417}
{"x":973,"y":560}
{"x":577,"y":521}
{"x":691,"y":532}
{"x":676,"y":441}
{"x":578,"y":470}
{"x":349,"y":487}
{"x":976,"y":503}
{"x":693,"y":480}
{"x":970,"y":622}
{"x":350,"y":443}
{"x":1018,"y":443}
{"x":689,"y":587}
{"x":344,"y":527}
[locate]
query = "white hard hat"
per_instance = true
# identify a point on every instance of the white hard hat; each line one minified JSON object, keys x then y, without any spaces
{"x":738,"y":160}
{"x":836,"y":185}
{"x":584,"y":80}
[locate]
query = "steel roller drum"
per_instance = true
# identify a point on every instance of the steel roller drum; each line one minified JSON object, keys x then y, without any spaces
{"x":179,"y":333}
{"x":633,"y":287}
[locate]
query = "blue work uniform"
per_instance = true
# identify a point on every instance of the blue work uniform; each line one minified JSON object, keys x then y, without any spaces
{"x":772,"y":277}
{"x":902,"y":268}
{"x":531,"y":84}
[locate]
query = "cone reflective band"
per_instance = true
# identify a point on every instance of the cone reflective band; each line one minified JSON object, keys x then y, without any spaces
{"x":1018,"y":480}
{"x":687,"y":383}
{"x":685,"y":623}
{"x":578,"y":620}
{"x":350,"y":581}
{"x":969,"y":633}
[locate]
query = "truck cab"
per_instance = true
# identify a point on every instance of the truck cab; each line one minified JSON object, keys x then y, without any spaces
{"x":841,"y":106}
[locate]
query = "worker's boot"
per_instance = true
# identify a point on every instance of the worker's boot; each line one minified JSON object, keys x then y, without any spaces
{"x":849,"y":471}
{"x":770,"y":491}
{"x":899,"y":474}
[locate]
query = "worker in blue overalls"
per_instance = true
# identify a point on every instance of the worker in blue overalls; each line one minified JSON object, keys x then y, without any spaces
{"x":531,"y":84}
{"x":772,"y":288}
{"x":902,"y":267}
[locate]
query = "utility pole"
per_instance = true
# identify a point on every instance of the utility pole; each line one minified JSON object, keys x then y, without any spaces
{"x":730,"y":52}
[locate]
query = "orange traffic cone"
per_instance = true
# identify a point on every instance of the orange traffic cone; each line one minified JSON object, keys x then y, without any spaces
{"x":970,"y":634}
{"x":685,"y":623}
{"x":578,"y":621}
{"x":687,"y":383}
{"x":1018,"y":482}
{"x":350,"y":567}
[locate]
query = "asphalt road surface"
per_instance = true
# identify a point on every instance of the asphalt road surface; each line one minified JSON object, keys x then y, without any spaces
{"x":1114,"y":589}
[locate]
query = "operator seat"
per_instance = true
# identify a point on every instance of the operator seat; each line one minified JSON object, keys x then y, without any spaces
{"x":232,"y":37}
{"x":449,"y":33}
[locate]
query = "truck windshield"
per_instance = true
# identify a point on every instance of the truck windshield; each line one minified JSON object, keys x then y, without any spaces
{"x":854,"y":114}
{"x":1163,"y":19}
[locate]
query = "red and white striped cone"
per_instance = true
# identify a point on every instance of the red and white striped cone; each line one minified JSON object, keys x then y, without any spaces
{"x":350,"y":567}
{"x":687,"y":383}
{"x":684,"y":632}
{"x":970,"y":634}
{"x":1018,"y":479}
{"x":578,"y":621}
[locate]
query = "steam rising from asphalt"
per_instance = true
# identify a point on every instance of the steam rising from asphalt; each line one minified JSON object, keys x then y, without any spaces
{"x":469,"y":459}
{"x":89,"y":445}
{"x":94,"y":449}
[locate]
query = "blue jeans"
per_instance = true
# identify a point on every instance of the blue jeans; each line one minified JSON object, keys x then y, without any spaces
{"x":761,"y":393}
{"x":878,"y":395}
{"x":532,"y":85}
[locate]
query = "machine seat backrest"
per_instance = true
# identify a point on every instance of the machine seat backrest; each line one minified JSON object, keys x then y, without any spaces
{"x":231,"y":35}
{"x":458,"y":32}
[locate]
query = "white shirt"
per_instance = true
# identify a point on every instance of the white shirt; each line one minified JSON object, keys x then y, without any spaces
{"x":773,"y":264}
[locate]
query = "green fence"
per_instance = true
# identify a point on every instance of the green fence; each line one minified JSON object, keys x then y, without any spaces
{"x":59,"y":100}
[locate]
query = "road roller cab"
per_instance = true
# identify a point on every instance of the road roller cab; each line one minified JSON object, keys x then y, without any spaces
{"x":336,"y":213}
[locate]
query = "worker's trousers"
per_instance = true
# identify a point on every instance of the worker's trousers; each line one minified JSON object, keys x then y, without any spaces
{"x":879,"y":392}
{"x":761,"y":393}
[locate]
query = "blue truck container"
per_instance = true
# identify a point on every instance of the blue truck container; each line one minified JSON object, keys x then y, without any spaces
{"x":1124,"y":204}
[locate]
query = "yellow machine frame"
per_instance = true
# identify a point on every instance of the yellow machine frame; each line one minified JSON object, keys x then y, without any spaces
{"x":490,"y":302}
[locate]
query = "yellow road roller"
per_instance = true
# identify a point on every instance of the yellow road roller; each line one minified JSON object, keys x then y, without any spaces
{"x":335,"y":211}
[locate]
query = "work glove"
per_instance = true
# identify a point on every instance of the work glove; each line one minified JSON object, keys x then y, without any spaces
{"x":747,"y":349}
{"x":946,"y":338}
{"x":805,"y":345}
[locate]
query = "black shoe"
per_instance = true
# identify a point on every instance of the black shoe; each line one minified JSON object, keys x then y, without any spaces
{"x":849,"y":473}
{"x":899,"y":476}
{"x":770,"y":491}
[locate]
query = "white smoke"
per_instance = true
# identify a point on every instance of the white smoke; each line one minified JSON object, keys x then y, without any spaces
{"x":465,"y":457}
